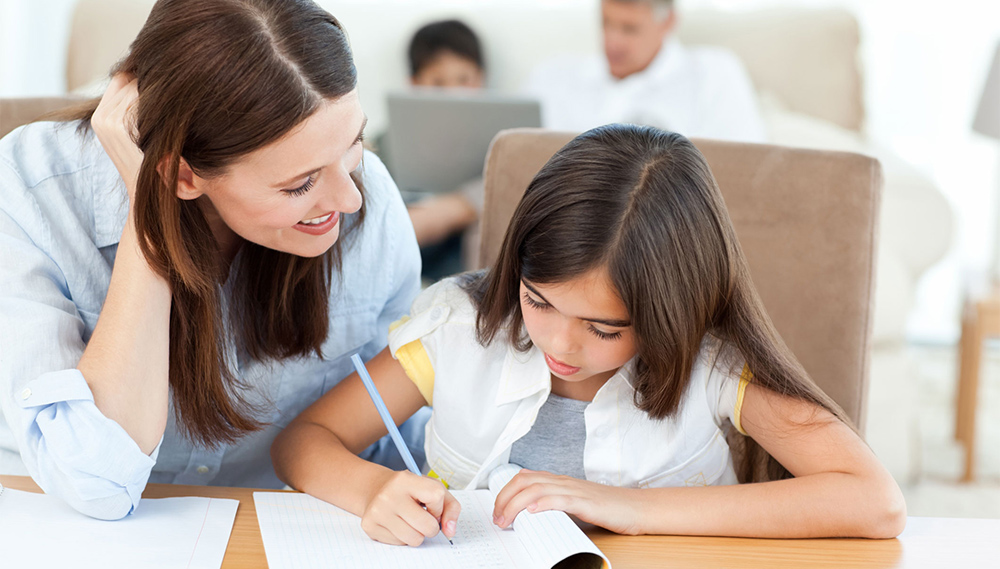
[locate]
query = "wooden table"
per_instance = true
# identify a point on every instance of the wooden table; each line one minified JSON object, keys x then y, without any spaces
{"x":926,"y":543}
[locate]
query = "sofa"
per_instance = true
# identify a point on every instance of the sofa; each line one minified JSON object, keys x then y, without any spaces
{"x":805,"y":67}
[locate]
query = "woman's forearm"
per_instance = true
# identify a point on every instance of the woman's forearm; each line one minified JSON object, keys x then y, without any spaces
{"x":309,"y":458}
{"x":126,"y":360}
{"x":830,"y":504}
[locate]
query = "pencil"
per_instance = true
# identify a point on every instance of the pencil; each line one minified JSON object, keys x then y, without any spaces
{"x":383,"y":412}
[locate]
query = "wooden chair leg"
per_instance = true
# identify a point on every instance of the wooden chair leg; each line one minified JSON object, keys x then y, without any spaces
{"x":969,"y":361}
{"x":980,"y":321}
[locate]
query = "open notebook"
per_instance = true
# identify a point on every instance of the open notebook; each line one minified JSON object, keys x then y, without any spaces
{"x":37,"y":530}
{"x":300,"y":531}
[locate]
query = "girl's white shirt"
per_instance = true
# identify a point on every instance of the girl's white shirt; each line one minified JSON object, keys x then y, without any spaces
{"x":485,"y":398}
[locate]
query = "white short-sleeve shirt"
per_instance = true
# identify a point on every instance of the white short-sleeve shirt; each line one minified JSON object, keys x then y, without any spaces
{"x":486,"y":397}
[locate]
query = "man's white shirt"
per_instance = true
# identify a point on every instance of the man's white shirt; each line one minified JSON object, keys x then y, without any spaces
{"x":699,"y":92}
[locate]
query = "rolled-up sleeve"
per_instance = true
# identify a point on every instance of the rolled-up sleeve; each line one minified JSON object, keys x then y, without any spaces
{"x":76,"y":452}
{"x":70,"y":449}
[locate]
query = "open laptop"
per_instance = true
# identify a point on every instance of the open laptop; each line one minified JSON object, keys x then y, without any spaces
{"x":437,"y":140}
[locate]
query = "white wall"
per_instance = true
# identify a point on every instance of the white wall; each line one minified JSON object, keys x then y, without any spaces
{"x":925,"y":62}
{"x":33,"y":38}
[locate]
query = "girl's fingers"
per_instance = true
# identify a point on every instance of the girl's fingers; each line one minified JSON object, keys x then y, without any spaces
{"x":383,"y":535}
{"x":421,"y":520}
{"x":516,"y":484}
{"x":520,"y":501}
{"x":404,"y":532}
{"x":428,"y":491}
{"x":449,"y":516}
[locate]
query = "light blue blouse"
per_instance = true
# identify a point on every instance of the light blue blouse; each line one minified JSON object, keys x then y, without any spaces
{"x":62,"y":211}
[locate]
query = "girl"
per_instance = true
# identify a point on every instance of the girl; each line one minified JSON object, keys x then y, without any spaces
{"x":168,"y":304}
{"x":613,"y":349}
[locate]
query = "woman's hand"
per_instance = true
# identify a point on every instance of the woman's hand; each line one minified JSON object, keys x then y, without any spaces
{"x":606,"y":506}
{"x":114,"y":125}
{"x":408,"y":508}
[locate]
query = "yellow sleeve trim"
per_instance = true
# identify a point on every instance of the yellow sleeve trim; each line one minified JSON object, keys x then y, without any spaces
{"x":417,"y":365}
{"x":399,"y":323}
{"x":435,"y":476}
{"x":745,"y":378}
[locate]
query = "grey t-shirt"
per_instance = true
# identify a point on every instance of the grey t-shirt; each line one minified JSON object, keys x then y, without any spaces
{"x":556,"y":441}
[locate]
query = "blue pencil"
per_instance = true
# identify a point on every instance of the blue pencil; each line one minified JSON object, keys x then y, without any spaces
{"x":383,"y":412}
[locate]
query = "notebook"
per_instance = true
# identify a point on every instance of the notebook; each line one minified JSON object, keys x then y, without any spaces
{"x":301,"y":532}
{"x":37,"y":530}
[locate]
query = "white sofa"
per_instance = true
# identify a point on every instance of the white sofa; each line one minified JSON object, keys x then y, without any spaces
{"x":804,"y":64}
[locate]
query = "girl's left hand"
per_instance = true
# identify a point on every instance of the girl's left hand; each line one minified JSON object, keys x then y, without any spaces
{"x":610,"y":507}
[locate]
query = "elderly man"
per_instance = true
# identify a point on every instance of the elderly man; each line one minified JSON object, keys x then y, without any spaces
{"x":647,"y":77}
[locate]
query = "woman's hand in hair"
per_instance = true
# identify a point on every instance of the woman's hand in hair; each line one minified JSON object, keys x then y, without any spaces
{"x":114,"y":125}
{"x":610,"y":507}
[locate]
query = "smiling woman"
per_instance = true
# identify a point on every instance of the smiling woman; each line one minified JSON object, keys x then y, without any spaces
{"x":216,"y":211}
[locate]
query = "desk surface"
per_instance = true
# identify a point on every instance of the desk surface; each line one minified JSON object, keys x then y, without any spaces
{"x":926,"y":542}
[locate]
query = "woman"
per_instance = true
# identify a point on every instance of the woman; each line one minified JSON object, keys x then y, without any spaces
{"x":169,"y":304}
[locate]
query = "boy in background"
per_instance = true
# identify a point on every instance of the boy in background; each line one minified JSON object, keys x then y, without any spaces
{"x":444,"y":55}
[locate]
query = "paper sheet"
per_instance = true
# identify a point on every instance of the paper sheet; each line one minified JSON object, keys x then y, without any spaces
{"x":183,"y":533}
{"x":302,"y":532}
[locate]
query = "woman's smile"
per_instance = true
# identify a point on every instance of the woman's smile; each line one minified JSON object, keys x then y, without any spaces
{"x":319,"y":225}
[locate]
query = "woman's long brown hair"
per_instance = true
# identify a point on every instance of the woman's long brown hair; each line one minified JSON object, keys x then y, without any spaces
{"x":642,"y":203}
{"x":218,"y":79}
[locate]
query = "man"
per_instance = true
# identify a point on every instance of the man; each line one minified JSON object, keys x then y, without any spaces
{"x":647,"y":77}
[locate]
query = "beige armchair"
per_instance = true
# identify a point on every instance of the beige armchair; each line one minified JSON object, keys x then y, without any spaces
{"x":16,"y":112}
{"x":806,"y":221}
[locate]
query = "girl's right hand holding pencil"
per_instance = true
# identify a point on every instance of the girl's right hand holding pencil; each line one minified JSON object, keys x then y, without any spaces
{"x":406,"y":509}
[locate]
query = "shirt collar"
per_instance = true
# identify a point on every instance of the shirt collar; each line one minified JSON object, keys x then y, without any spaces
{"x":526,"y":373}
{"x":523,"y":375}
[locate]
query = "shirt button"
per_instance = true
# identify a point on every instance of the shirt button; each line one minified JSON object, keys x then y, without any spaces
{"x":437,"y":313}
{"x":202,"y":469}
{"x":604,"y":482}
{"x":26,"y":393}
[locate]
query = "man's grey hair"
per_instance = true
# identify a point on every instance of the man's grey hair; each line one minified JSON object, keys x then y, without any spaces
{"x":661,"y":8}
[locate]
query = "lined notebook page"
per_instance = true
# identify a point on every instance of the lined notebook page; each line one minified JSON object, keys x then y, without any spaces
{"x":300,"y":531}
{"x":552,"y":536}
{"x":176,"y":533}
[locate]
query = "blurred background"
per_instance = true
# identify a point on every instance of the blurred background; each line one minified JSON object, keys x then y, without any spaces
{"x":920,"y":69}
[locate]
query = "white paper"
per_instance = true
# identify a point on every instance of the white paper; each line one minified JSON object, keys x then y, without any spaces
{"x":183,"y":533}
{"x":302,"y":532}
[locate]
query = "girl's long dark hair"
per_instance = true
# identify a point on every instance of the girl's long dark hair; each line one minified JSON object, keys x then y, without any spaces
{"x":217,"y":80}
{"x":642,"y":203}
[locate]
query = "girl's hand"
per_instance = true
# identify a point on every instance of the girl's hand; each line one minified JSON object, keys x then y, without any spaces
{"x":396,"y":514}
{"x":616,"y":509}
{"x":114,"y":125}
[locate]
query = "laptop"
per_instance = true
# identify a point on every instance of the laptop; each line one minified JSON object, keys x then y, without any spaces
{"x":437,"y":140}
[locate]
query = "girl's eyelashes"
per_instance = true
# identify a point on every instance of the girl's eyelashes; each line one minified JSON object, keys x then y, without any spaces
{"x":604,"y":335}
{"x":542,"y":306}
{"x":359,"y":140}
{"x":301,"y":189}
{"x":534,"y":303}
